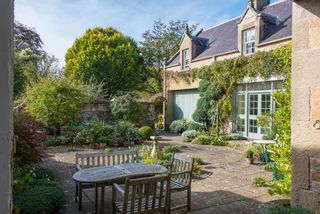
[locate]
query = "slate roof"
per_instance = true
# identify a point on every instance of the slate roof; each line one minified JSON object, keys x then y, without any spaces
{"x":224,"y":37}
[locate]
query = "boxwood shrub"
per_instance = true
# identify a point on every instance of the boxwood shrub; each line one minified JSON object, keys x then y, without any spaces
{"x":145,"y":132}
{"x":178,"y":126}
{"x":43,"y":196}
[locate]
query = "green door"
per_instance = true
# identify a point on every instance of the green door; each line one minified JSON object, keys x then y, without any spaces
{"x":184,"y":104}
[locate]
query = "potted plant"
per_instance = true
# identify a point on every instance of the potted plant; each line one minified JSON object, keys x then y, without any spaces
{"x":249,"y":155}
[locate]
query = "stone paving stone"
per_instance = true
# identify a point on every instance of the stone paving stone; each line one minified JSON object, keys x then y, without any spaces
{"x":227,"y":188}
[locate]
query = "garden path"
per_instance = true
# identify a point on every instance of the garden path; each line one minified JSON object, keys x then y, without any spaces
{"x":226,"y":186}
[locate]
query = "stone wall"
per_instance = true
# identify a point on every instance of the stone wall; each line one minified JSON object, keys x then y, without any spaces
{"x":6,"y":86}
{"x":306,"y":104}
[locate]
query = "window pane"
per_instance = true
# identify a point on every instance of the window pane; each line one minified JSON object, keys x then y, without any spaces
{"x":277,"y":85}
{"x":241,"y":87}
{"x":260,"y":86}
{"x":241,"y":104}
{"x":253,"y":102}
{"x":265,"y":103}
{"x":241,"y":125}
{"x":185,"y":59}
{"x":253,"y":128}
{"x":249,"y":41}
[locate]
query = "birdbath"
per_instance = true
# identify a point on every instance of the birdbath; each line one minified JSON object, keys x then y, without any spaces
{"x":155,"y":149}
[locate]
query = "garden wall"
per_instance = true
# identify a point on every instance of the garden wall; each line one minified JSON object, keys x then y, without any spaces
{"x":100,"y":110}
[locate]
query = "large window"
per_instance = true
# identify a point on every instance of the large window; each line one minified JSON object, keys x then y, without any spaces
{"x":249,"y":39}
{"x":253,"y":100}
{"x":185,"y":59}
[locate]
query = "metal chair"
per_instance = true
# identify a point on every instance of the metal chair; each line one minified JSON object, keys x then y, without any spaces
{"x":87,"y":160}
{"x":181,"y":175}
{"x":143,"y":195}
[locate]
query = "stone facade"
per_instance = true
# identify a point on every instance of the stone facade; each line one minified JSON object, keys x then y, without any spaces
{"x":306,"y":104}
{"x":249,"y":19}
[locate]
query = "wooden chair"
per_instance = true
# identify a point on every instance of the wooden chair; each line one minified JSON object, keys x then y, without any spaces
{"x":87,"y":160}
{"x":181,"y":176}
{"x":143,"y":195}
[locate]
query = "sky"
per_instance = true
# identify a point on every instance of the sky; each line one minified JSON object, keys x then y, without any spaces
{"x":60,"y":22}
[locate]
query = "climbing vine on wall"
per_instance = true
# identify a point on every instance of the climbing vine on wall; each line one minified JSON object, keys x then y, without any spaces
{"x":217,"y":85}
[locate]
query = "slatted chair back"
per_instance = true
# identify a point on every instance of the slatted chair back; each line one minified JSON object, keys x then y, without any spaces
{"x":147,"y":195}
{"x":181,"y":169}
{"x":87,"y":160}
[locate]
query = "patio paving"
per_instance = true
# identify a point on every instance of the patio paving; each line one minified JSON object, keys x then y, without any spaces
{"x":226,"y":186}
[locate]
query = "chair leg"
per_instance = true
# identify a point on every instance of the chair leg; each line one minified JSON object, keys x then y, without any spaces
{"x":77,"y":193}
{"x":189,"y":198}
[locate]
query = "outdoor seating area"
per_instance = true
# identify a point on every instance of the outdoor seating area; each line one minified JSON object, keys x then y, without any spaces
{"x":97,"y":170}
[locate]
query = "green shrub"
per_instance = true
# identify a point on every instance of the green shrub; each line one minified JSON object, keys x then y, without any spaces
{"x":164,"y":154}
{"x":189,"y":135}
{"x":43,"y":173}
{"x":202,"y":140}
{"x":198,"y":160}
{"x":261,"y":182}
{"x":125,"y":131}
{"x":249,"y":153}
{"x":58,"y":141}
{"x":145,"y":132}
{"x":195,"y":126}
{"x":282,"y":209}
{"x":178,"y":126}
{"x":44,"y":197}
{"x":219,"y":140}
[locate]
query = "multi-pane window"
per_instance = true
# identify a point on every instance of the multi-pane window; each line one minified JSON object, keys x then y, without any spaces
{"x":185,"y":59}
{"x":249,"y":39}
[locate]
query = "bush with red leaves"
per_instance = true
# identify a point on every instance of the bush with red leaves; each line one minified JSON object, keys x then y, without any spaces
{"x":28,"y":144}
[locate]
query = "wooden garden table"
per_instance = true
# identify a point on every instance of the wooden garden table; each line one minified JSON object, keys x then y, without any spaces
{"x":100,"y":176}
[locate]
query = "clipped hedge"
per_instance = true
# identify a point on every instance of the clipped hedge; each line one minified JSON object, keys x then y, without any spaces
{"x":43,"y":197}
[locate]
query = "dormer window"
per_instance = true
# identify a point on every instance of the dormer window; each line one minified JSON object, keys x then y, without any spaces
{"x":185,"y":59}
{"x":249,"y":40}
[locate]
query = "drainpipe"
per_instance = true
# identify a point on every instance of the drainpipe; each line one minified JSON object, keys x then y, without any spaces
{"x":164,"y":110}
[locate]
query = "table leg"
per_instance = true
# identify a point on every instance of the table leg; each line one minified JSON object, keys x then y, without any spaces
{"x":102,"y":198}
{"x":96,"y":199}
{"x":80,"y":196}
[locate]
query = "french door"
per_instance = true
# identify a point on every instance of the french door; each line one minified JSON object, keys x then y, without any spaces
{"x":258,"y":104}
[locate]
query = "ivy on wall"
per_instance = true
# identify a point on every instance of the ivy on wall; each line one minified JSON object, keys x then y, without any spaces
{"x":218,"y":83}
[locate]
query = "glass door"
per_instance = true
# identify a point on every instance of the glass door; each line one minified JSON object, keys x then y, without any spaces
{"x":258,"y":104}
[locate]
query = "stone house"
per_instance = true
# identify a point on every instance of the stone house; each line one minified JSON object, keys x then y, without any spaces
{"x":261,"y":27}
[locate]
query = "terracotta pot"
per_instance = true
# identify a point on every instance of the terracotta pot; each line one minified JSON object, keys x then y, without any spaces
{"x":250,"y":160}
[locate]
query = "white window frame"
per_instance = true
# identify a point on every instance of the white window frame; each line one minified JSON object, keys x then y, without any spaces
{"x":249,"y":44}
{"x":185,"y":59}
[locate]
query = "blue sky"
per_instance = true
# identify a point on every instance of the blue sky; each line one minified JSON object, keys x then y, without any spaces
{"x":59,"y":22}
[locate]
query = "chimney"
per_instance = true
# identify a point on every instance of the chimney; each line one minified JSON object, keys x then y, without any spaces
{"x":258,"y":4}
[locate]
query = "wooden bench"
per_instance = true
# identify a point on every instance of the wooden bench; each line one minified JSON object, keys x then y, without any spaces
{"x":88,"y":160}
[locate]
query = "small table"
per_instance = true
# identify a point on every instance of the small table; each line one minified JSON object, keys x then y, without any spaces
{"x":99,"y":176}
{"x":264,"y":144}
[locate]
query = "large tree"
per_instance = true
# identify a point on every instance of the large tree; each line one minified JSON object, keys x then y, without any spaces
{"x":159,"y":43}
{"x":104,"y":55}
